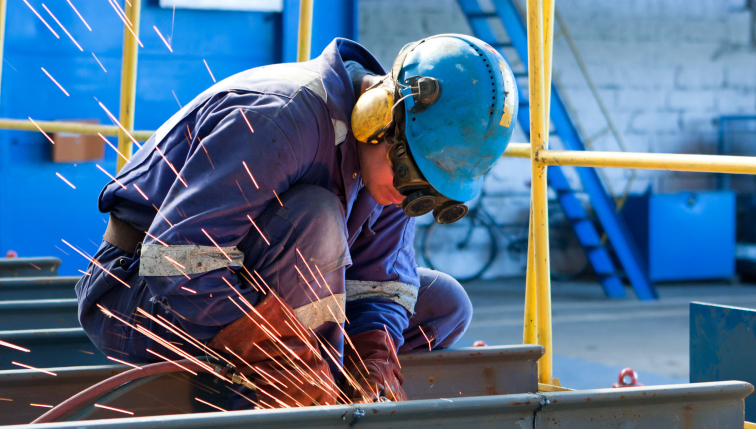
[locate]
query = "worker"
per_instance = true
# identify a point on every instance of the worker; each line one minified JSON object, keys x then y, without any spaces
{"x":270,"y":222}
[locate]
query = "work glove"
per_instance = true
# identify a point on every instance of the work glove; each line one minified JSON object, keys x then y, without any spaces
{"x":278,"y":355}
{"x":374,"y":368}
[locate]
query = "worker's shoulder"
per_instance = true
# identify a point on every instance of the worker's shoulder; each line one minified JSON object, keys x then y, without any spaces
{"x":286,"y":80}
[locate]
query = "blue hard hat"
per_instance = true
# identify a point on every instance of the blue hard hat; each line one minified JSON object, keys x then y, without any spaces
{"x":457,"y":139}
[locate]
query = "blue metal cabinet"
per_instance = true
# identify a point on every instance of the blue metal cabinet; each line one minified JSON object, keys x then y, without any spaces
{"x":686,"y":235}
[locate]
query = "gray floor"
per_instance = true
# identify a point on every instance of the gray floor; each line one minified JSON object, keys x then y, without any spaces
{"x":595,"y":337}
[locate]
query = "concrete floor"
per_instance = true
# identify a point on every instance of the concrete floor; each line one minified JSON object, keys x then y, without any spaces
{"x":594,"y":338}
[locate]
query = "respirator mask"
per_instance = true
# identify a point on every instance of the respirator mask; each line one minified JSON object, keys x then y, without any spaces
{"x":379,"y":116}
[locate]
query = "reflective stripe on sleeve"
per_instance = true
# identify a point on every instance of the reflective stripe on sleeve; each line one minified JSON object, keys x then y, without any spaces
{"x":177,"y":260}
{"x":402,"y":293}
{"x":323,"y":310}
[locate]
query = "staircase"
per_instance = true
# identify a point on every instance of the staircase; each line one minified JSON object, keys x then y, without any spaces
{"x":484,"y":20}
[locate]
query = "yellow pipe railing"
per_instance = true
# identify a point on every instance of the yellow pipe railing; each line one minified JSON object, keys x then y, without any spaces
{"x":651,"y":161}
{"x":69,"y":127}
{"x":304,"y":40}
{"x":540,"y":216}
{"x":128,"y":80}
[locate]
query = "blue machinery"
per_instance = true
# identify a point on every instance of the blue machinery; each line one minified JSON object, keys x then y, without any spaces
{"x":613,"y":225}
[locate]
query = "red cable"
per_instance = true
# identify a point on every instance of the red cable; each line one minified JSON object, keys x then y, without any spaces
{"x":86,"y":396}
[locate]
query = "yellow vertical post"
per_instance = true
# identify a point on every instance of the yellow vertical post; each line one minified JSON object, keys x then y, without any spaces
{"x":305,"y":30}
{"x":539,"y":190}
{"x":128,"y":79}
{"x":2,"y":34}
{"x":530,"y":329}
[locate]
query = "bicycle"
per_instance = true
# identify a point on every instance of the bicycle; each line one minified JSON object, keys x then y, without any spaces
{"x":467,"y":248}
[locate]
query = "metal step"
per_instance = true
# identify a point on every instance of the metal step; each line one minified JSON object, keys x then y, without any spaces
{"x":26,"y":288}
{"x":49,"y":348}
{"x":455,"y":373}
{"x":39,"y":314}
{"x":29,"y":267}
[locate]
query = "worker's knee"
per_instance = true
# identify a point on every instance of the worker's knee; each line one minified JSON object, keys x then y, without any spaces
{"x":442,"y":307}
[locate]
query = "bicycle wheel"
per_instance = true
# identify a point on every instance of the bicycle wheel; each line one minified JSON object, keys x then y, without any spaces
{"x":567,"y":258}
{"x":464,"y":249}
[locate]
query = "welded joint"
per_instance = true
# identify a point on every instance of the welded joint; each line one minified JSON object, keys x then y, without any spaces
{"x":543,"y":401}
{"x":357,"y":415}
{"x":537,"y":156}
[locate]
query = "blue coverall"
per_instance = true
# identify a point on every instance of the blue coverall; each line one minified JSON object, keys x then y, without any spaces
{"x":270,"y":145}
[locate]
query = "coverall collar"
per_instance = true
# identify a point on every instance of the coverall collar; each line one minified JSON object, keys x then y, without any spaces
{"x":340,"y":92}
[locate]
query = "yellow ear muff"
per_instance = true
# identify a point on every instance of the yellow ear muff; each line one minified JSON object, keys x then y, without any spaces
{"x":372,"y":114}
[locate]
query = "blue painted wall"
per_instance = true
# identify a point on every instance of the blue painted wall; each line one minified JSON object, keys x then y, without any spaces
{"x":37,"y":209}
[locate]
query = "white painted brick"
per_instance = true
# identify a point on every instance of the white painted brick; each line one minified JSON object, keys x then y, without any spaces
{"x":737,"y":101}
{"x":649,"y":122}
{"x":699,"y":76}
{"x":639,"y":99}
{"x":740,"y":69}
{"x":700,"y":100}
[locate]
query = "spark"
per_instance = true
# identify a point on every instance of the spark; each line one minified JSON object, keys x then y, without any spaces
{"x":246,"y":120}
{"x":42,"y":19}
{"x":83,"y":272}
{"x":258,"y":230}
{"x":337,"y":302}
{"x":62,"y":251}
{"x":40,"y":130}
{"x":279,"y":200}
{"x":177,"y":100}
{"x":173,"y":19}
{"x":156,"y":239}
{"x":124,"y":18}
{"x":391,"y":343}
{"x":113,"y":147}
{"x":40,"y":269}
{"x":173,"y":362}
{"x":426,"y":337}
{"x":6,"y":399}
{"x":41,"y":405}
{"x":214,"y":406}
{"x":216,"y":245}
{"x":208,"y":69}
{"x":123,"y":362}
{"x":98,"y":62}
{"x":35,"y":369}
{"x":187,"y":289}
{"x":86,"y":352}
{"x":162,"y":38}
{"x":63,"y":28}
{"x":202,"y":145}
{"x":171,"y":327}
{"x":174,"y":262}
{"x":113,"y":118}
{"x":13,"y":346}
{"x":94,"y":261}
{"x":56,"y":82}
{"x":181,"y":179}
{"x":114,"y":409}
{"x":64,"y":179}
{"x":308,"y":268}
{"x":122,"y":12}
{"x":111,"y":176}
{"x":11,"y":65}
{"x":161,"y":215}
{"x":80,"y":17}
{"x":140,"y":191}
{"x":250,"y":175}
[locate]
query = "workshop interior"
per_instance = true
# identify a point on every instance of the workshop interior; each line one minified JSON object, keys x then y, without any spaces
{"x":377,"y":213}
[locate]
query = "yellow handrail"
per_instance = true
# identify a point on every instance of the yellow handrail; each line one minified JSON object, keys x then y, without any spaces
{"x":69,"y":127}
{"x":304,"y":40}
{"x":128,"y":80}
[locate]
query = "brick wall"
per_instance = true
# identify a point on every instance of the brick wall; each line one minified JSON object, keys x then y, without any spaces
{"x":666,"y":70}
